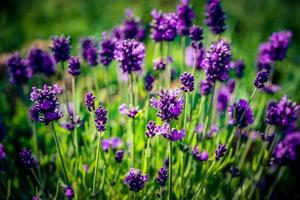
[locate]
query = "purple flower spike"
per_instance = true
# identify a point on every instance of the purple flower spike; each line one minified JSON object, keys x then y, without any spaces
{"x":27,"y":159}
{"x":119,"y":156}
{"x":130,"y":54}
{"x":239,"y":67}
{"x":215,"y":17}
{"x":107,"y":49}
{"x":92,"y":56}
{"x":41,"y":62}
{"x":45,"y":106}
{"x":2,"y":152}
{"x":169,"y":105}
{"x":105,"y":144}
{"x":185,"y":17}
{"x":261,"y":78}
{"x":90,"y":101}
{"x":163,"y":26}
{"x":135,"y":180}
{"x":223,"y":99}
{"x":287,"y":150}
{"x":86,"y":168}
{"x":271,"y":88}
{"x":74,"y":66}
{"x":151,"y":126}
{"x":205,"y":87}
{"x":162,"y":176}
{"x":199,"y":156}
{"x":177,"y":134}
{"x":132,"y":27}
{"x":240,"y":114}
{"x":61,"y":48}
{"x":69,"y":192}
{"x":190,"y":57}
{"x":174,"y":135}
{"x":187,"y":81}
{"x":216,"y":63}
{"x":36,"y":198}
{"x":129,"y":110}
{"x":159,"y":64}
{"x":220,"y":152}
{"x":149,"y":81}
{"x":280,"y":43}
{"x":86,"y":43}
{"x":101,"y":118}
{"x":283,"y":114}
{"x":196,"y":35}
{"x":18,"y":69}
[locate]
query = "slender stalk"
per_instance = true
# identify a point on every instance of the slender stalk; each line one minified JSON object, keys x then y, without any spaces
{"x":75,"y":124}
{"x":183,"y":39}
{"x":185,"y":110}
{"x":168,"y":71}
{"x":145,"y":168}
{"x":132,"y":122}
{"x":170,"y":168}
{"x":36,"y":178}
{"x":65,"y":87}
{"x":278,"y":177}
{"x":59,"y":152}
{"x":97,"y":162}
{"x":249,"y":101}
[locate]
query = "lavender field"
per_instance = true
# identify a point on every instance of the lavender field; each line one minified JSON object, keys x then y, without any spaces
{"x":141,"y":100}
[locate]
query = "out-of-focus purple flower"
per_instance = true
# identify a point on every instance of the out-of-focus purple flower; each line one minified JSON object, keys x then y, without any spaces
{"x":130,"y":54}
{"x":107,"y":49}
{"x":159,"y":64}
{"x":235,"y":172}
{"x":174,"y":135}
{"x":223,"y":98}
{"x":41,"y":62}
{"x":27,"y":159}
{"x":162,"y":176}
{"x":86,"y":43}
{"x":283,"y":114}
{"x":199,"y":156}
{"x":187,"y":81}
{"x":163,"y":26}
{"x":264,"y":62}
{"x":288,"y":149}
{"x":239,"y":67}
{"x":114,"y":143}
{"x":205,"y":87}
{"x":216,"y":62}
{"x":73,"y":121}
{"x":92,"y":56}
{"x":2,"y":152}
{"x":190,"y":57}
{"x":18,"y":69}
{"x":69,"y":192}
{"x":213,"y":130}
{"x":151,"y":126}
{"x":119,"y":156}
{"x":100,"y":118}
{"x":169,"y":105}
{"x":45,"y":106}
{"x":185,"y":17}
{"x":196,"y":35}
{"x":215,"y":17}
{"x":36,"y":198}
{"x":90,"y":101}
{"x":149,"y":81}
{"x":74,"y":66}
{"x":231,"y":85}
{"x":135,"y":180}
{"x":271,"y":88}
{"x":86,"y":168}
{"x":261,"y":78}
{"x":130,"y":111}
{"x":199,"y":128}
{"x":105,"y":144}
{"x":280,"y":43}
{"x":240,"y":114}
{"x":220,"y":152}
{"x":61,"y":48}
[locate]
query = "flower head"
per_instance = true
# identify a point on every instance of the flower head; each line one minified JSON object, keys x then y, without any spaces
{"x":205,"y":87}
{"x":159,"y":64}
{"x":261,"y":78}
{"x":241,"y":114}
{"x":74,"y":66}
{"x":187,"y":81}
{"x":151,"y":126}
{"x":132,"y":27}
{"x":149,"y":81}
{"x":199,"y":156}
{"x":215,"y":17}
{"x":114,"y":143}
{"x":190,"y":57}
{"x":223,"y":98}
{"x":288,"y":149}
{"x":2,"y":152}
{"x":130,"y":54}
{"x":86,"y":43}
{"x":45,"y":106}
{"x":27,"y":159}
{"x":185,"y":17}
{"x":100,"y":118}
{"x":130,"y":111}
{"x":18,"y":69}
{"x":107,"y":49}
{"x":69,"y":192}
{"x":135,"y":180}
{"x":220,"y":152}
{"x":119,"y":156}
{"x":162,"y":176}
{"x":280,"y":43}
{"x":196,"y":35}
{"x":238,"y":66}
{"x":172,"y":135}
{"x":61,"y":48}
{"x":36,"y":198}
{"x":169,"y":105}
{"x":90,"y":101}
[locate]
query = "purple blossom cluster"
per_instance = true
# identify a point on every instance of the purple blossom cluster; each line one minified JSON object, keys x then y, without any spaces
{"x":90,"y":101}
{"x":149,"y":82}
{"x":172,"y":135}
{"x":89,"y":51}
{"x":107,"y":49}
{"x":27,"y":159}
{"x":135,"y":180}
{"x":2,"y":152}
{"x":19,"y":71}
{"x":114,"y":143}
{"x":74,"y":66}
{"x":196,"y":36}
{"x":220,"y":152}
{"x":187,"y":81}
{"x":199,"y":156}
{"x":100,"y":118}
{"x":61,"y":48}
{"x":162,"y":176}
{"x":185,"y":17}
{"x":190,"y":55}
{"x":130,"y":111}
{"x":215,"y":17}
{"x":288,"y":149}
{"x":150,"y":129}
{"x":240,"y":114}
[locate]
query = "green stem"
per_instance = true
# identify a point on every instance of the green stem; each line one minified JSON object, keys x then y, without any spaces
{"x":183,"y":38}
{"x":145,"y":168}
{"x":36,"y":178}
{"x":75,"y":124}
{"x":278,"y":177}
{"x":168,"y":71}
{"x":132,"y":122}
{"x":65,"y":87}
{"x":59,"y":152}
{"x":97,"y":161}
{"x":170,"y":167}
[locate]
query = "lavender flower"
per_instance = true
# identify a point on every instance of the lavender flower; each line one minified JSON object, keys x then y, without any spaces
{"x":169,"y":105}
{"x":223,"y":98}
{"x":199,"y":156}
{"x":129,"y":110}
{"x":2,"y":152}
{"x":163,"y":26}
{"x":119,"y":156}
{"x":19,"y":71}
{"x":40,"y":61}
{"x":130,"y":54}
{"x":135,"y":180}
{"x":231,"y":85}
{"x":92,"y":56}
{"x":287,"y":150}
{"x":86,"y":43}
{"x":159,"y":64}
{"x":215,"y":17}
{"x":132,"y":27}
{"x":36,"y":198}
{"x":149,"y":81}
{"x":271,"y":88}
{"x":107,"y":49}
{"x":196,"y":35}
{"x":280,"y":43}
{"x":174,"y":135}
{"x":114,"y":143}
{"x":239,"y":67}
{"x":261,"y":78}
{"x":86,"y":168}
{"x":241,"y":114}
{"x":61,"y":48}
{"x":45,"y":106}
{"x":283,"y":114}
{"x":100,"y":118}
{"x":220,"y":152}
{"x":185,"y":17}
{"x":162,"y":176}
{"x":216,"y":63}
{"x":190,"y":57}
{"x":205,"y":87}
{"x":69,"y":192}
{"x":90,"y":101}
{"x":213,"y":130}
{"x":151,"y":126}
{"x":187,"y":81}
{"x":74,"y":66}
{"x":27,"y":159}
